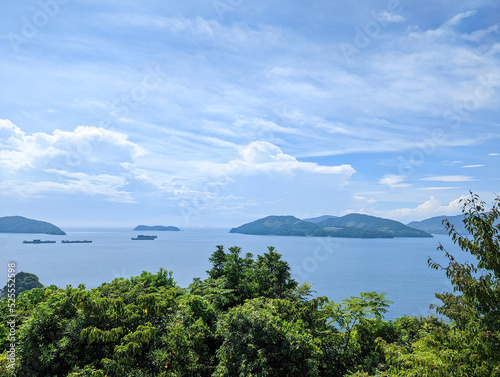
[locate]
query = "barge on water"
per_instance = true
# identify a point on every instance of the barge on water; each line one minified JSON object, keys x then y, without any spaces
{"x":77,"y":241}
{"x":39,"y":241}
{"x":142,"y":237}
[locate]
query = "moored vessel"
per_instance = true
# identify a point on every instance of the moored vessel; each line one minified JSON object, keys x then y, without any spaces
{"x":39,"y":241}
{"x":142,"y":237}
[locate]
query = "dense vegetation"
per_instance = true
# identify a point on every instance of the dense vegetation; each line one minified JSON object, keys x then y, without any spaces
{"x":19,"y":224}
{"x":249,"y":317}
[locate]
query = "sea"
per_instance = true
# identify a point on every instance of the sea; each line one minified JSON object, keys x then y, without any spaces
{"x":336,"y":267}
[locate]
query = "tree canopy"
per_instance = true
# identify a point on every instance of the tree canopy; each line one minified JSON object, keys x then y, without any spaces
{"x":470,"y":344}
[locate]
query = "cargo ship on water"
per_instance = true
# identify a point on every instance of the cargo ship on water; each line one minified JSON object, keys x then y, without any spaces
{"x":39,"y":241}
{"x":142,"y":237}
{"x":77,"y":241}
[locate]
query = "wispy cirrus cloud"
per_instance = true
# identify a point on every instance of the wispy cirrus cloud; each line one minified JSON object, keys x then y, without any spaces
{"x":387,"y":16}
{"x":479,"y":35}
{"x":394,"y":181}
{"x":448,"y":178}
{"x":103,"y":186}
{"x":472,"y":166}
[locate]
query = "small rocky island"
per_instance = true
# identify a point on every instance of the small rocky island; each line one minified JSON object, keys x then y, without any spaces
{"x":19,"y":224}
{"x":157,"y":228}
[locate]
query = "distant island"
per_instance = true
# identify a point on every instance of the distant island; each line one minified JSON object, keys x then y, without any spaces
{"x":435,"y":224}
{"x":19,"y":224}
{"x":157,"y":228}
{"x":281,"y":226}
{"x":320,"y":218}
{"x":365,"y":226}
{"x":349,"y":226}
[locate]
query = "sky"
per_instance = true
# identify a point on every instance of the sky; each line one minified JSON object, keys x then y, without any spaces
{"x":219,"y":112}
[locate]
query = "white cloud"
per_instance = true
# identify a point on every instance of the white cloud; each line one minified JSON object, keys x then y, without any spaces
{"x":103,"y":185}
{"x":198,"y":27}
{"x":174,"y":25}
{"x":459,"y":17}
{"x":430,"y":208}
{"x":264,"y":179}
{"x":449,"y":178}
{"x":472,"y":166}
{"x":478,"y":35}
{"x":266,"y":157}
{"x":92,"y":144}
{"x":391,"y":17}
{"x":493,"y":154}
{"x":83,"y":161}
{"x":364,"y":199}
{"x":260,"y":152}
{"x":394,"y":181}
{"x":437,"y":188}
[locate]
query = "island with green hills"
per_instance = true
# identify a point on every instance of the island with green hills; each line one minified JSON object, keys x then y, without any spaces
{"x":354,"y":225}
{"x":19,"y":224}
{"x":157,"y":228}
{"x":435,"y":225}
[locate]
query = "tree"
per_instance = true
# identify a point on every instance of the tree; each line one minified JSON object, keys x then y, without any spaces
{"x":470,"y":344}
{"x":234,"y":279}
{"x":343,"y":349}
{"x":272,"y":276}
{"x":266,"y":337}
{"x":478,"y":283}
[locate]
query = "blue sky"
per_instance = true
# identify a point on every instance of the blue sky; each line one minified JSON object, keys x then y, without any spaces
{"x":219,"y":112}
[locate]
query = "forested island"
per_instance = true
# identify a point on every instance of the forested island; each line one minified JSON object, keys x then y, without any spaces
{"x":351,"y":226}
{"x":436,"y":224}
{"x":250,"y":317}
{"x":159,"y":228}
{"x":19,"y":224}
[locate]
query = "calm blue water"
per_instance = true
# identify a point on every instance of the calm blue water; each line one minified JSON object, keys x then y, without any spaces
{"x":337,"y":267}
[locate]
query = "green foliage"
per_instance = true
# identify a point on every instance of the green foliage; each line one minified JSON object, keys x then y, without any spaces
{"x":346,"y":347}
{"x":266,"y":337}
{"x":478,"y":283}
{"x":470,"y":344}
{"x":234,"y":279}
